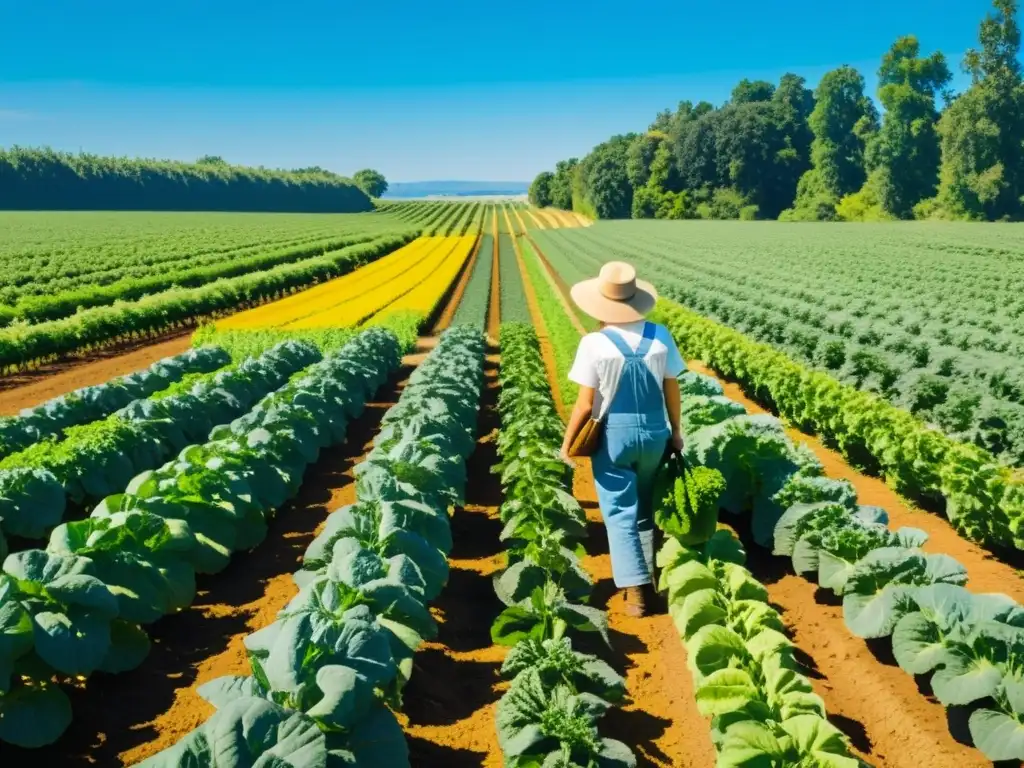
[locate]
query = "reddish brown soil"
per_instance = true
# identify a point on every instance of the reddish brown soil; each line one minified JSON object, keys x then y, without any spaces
{"x":450,"y":701}
{"x":30,"y":388}
{"x":661,"y":723}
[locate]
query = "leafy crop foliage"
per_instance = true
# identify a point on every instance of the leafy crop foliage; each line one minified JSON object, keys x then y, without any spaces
{"x":763,"y":708}
{"x":91,"y":403}
{"x":79,"y":605}
{"x":970,"y":646}
{"x":550,"y":712}
{"x":928,"y":317}
{"x":476,"y":300}
{"x":513,"y":296}
{"x":23,"y":345}
{"x":328,"y":671}
{"x":982,"y":497}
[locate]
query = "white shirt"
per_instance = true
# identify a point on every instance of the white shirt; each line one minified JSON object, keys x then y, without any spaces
{"x":599,"y":362}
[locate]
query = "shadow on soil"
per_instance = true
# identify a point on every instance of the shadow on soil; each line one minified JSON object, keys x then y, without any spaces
{"x":109,"y":711}
{"x":427,"y":754}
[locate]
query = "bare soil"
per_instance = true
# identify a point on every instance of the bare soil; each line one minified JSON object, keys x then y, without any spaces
{"x":27,"y":389}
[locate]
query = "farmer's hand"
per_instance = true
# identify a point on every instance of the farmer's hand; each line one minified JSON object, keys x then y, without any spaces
{"x":563,"y":454}
{"x":677,"y":441}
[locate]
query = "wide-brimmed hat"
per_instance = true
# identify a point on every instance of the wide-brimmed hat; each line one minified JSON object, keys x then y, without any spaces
{"x":615,"y":295}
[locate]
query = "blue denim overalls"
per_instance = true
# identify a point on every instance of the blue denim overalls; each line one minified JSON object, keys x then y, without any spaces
{"x":636,"y":432}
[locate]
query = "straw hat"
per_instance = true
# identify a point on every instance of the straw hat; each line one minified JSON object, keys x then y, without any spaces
{"x":615,"y":295}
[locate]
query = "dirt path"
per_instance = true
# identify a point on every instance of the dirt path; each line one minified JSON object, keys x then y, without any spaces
{"x":30,"y":388}
{"x":450,"y":701}
{"x":494,"y":308}
{"x":661,"y":724}
{"x":987,"y":574}
{"x":121,"y":719}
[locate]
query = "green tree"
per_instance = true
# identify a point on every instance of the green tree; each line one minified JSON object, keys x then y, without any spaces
{"x":640,"y":155}
{"x":561,"y":184}
{"x":371,"y":182}
{"x":540,"y":189}
{"x":982,"y":131}
{"x":903,"y":157}
{"x":604,"y":186}
{"x":749,"y":91}
{"x":842,"y":122}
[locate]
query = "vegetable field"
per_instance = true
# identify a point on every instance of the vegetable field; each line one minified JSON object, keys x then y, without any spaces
{"x":336,"y":532}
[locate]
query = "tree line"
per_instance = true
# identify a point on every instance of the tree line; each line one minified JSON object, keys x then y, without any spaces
{"x":784,"y":151}
{"x":44,"y":179}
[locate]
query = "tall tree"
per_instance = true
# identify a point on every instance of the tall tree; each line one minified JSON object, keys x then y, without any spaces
{"x":842,"y":121}
{"x":371,"y":182}
{"x":982,"y":131}
{"x":749,"y":91}
{"x":561,"y":184}
{"x":903,"y":157}
{"x":605,"y":181}
{"x":640,"y":155}
{"x":540,"y":189}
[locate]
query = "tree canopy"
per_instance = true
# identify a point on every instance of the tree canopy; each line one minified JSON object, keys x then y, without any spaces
{"x":783,"y":150}
{"x":371,"y":182}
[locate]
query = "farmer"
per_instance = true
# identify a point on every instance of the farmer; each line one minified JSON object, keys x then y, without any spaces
{"x":627,"y":374}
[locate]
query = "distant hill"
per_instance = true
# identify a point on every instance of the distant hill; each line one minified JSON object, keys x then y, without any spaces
{"x":402,"y":189}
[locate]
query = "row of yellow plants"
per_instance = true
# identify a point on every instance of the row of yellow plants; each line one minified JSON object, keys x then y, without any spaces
{"x":338,"y":291}
{"x":425,"y":297}
{"x":428,"y":277}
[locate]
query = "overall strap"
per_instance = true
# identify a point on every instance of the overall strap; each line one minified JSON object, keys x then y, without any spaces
{"x":646,"y":341}
{"x":621,"y":345}
{"x":618,"y":341}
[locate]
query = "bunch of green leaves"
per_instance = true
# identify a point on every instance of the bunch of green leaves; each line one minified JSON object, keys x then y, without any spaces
{"x":333,"y":663}
{"x":550,"y":713}
{"x":686,"y":501}
{"x":58,"y":620}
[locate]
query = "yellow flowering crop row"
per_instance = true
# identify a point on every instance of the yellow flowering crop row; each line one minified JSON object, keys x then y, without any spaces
{"x":338,"y":291}
{"x":425,"y":297}
{"x":434,"y":271}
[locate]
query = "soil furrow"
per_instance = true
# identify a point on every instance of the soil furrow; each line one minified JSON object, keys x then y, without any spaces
{"x":449,"y":704}
{"x":30,"y":388}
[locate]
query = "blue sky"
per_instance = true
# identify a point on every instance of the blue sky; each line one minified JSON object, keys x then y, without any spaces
{"x":418,"y":90}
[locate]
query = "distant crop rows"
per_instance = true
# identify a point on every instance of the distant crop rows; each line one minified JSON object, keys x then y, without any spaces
{"x":929,"y":317}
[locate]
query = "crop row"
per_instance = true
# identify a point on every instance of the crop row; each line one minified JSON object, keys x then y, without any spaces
{"x":476,"y":299}
{"x":21,"y":346}
{"x":51,"y":306}
{"x":50,"y":253}
{"x":746,"y":676}
{"x":971,"y":645}
{"x":51,"y":418}
{"x":563,"y":334}
{"x":549,"y":714}
{"x":513,"y":295}
{"x":78,"y":606}
{"x":421,"y":293}
{"x":328,"y":671}
{"x":954,"y":361}
{"x":97,"y":459}
{"x":984,"y":501}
